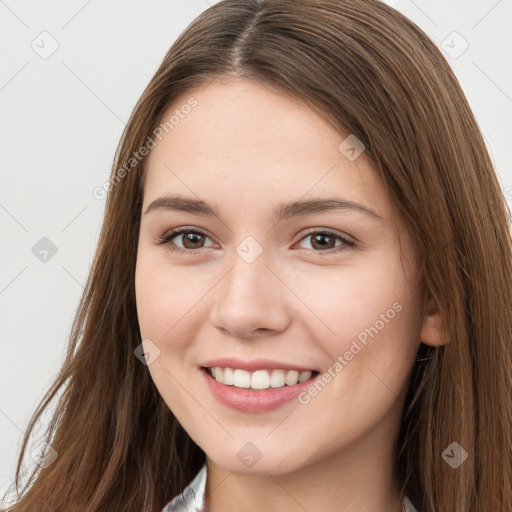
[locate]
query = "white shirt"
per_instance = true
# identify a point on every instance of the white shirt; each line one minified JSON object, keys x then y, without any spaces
{"x":192,"y":498}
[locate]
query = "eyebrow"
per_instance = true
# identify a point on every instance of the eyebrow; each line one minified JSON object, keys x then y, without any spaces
{"x":281,"y":212}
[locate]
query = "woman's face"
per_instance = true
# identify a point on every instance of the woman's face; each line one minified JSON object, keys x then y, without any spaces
{"x":271,"y":292}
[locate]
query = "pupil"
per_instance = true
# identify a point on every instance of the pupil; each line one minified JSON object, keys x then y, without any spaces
{"x":323,"y":237}
{"x":190,"y":238}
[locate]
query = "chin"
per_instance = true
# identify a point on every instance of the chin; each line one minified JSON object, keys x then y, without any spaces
{"x":273,"y":463}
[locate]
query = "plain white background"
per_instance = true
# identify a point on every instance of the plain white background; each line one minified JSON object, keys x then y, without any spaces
{"x":61,"y":117}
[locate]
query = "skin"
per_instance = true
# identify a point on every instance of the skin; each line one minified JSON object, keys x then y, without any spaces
{"x":245,"y":149}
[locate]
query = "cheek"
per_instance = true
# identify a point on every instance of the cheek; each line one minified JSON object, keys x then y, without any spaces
{"x":165,"y":310}
{"x":347,"y":304}
{"x":167,"y":301}
{"x":367,"y":323}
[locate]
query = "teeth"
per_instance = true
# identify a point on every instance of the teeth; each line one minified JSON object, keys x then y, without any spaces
{"x":292,"y":377}
{"x":217,"y":374}
{"x":277,"y":379}
{"x":227,"y":377}
{"x":260,"y":379}
{"x":304,"y":376}
{"x":241,"y":378}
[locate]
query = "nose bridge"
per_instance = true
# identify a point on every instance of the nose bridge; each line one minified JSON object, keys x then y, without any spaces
{"x":250,"y":297}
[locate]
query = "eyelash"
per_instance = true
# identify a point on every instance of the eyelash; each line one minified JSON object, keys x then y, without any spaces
{"x":169,"y":235}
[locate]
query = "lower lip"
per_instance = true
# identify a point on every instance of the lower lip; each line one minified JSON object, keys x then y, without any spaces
{"x":247,"y":400}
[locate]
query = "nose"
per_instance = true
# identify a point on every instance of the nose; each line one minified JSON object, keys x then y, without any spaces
{"x":252,"y":299}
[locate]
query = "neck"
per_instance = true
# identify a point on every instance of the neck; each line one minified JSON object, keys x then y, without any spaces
{"x":357,"y":477}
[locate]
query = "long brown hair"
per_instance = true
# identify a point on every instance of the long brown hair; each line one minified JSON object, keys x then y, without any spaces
{"x":371,"y":72}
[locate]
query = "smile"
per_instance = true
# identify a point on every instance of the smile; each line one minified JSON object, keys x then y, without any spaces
{"x":272,"y":388}
{"x":259,"y":379}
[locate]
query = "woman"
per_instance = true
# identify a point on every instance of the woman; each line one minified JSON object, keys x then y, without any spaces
{"x":301,"y":294}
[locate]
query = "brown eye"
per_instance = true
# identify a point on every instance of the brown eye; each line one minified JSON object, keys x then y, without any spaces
{"x":192,"y":239}
{"x":325,"y":241}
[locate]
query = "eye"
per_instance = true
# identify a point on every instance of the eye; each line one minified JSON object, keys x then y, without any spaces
{"x":192,"y":238}
{"x":322,"y":239}
{"x":325,"y":238}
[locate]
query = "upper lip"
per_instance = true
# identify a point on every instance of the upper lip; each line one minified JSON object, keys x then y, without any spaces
{"x":253,"y":364}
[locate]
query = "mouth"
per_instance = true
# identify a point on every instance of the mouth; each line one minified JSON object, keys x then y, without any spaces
{"x":259,"y":380}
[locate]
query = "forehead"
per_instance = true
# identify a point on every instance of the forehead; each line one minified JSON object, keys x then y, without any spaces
{"x":244,"y":143}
